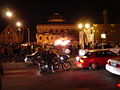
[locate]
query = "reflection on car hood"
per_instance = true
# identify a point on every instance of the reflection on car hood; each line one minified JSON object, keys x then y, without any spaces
{"x":31,"y":54}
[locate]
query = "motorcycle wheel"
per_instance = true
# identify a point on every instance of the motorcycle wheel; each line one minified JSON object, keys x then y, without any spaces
{"x":43,"y":69}
{"x":66,"y":66}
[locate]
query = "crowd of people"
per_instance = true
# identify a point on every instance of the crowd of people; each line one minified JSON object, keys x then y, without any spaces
{"x":13,"y":51}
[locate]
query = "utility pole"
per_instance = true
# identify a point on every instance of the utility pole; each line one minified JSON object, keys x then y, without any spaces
{"x":28,"y":35}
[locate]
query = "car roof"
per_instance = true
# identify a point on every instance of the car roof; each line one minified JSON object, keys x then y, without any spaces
{"x":96,"y":50}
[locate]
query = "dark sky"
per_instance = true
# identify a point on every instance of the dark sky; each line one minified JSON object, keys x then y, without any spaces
{"x":35,"y":12}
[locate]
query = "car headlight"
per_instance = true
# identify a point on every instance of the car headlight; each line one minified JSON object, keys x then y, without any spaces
{"x":77,"y":58}
{"x":81,"y":60}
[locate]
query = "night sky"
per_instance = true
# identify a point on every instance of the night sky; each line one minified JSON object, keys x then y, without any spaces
{"x":33,"y":12}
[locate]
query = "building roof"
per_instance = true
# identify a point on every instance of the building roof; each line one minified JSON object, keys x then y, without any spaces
{"x":2,"y":26}
{"x":56,"y":17}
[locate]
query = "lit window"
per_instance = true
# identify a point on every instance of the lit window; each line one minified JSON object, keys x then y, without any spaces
{"x":103,"y":36}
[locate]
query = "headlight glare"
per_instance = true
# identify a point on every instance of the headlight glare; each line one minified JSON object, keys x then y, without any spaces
{"x":77,"y":58}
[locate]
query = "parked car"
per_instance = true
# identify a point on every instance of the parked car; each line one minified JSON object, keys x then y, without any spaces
{"x":95,"y":58}
{"x":113,"y":66}
{"x":32,"y":58}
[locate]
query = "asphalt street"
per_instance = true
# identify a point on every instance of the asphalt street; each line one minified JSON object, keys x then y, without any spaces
{"x":21,"y":76}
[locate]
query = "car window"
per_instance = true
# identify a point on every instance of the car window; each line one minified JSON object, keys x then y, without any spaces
{"x":100,"y":54}
{"x":89,"y":54}
{"x":109,"y":53}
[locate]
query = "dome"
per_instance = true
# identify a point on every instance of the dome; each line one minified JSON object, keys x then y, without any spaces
{"x":56,"y":17}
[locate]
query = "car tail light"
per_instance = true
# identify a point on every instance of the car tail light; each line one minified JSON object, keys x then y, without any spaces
{"x":77,"y":58}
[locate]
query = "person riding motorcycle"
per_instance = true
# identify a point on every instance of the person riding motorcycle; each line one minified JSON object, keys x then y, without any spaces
{"x":49,"y":57}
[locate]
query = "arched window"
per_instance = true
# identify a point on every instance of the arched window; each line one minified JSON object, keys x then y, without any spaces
{"x":40,"y":38}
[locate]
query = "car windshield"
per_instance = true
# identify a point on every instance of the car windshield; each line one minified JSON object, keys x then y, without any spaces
{"x":89,"y":54}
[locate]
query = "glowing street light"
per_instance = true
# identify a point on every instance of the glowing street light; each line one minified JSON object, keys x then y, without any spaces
{"x":9,"y":14}
{"x":82,"y":33}
{"x":80,"y":25}
{"x":87,"y":25}
{"x":19,"y":24}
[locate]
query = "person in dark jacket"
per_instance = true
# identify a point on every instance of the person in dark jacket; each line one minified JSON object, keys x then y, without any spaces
{"x":49,"y":57}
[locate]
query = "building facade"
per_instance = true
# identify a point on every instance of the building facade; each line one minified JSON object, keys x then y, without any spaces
{"x":11,"y":35}
{"x":107,"y":33}
{"x":54,"y":29}
{"x":96,"y":34}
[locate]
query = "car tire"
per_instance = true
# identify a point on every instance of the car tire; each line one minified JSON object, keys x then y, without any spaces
{"x":93,"y":66}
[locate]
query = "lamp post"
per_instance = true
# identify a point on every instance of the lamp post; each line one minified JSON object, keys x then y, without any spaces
{"x":82,"y":34}
{"x":18,"y":24}
{"x":28,"y":35}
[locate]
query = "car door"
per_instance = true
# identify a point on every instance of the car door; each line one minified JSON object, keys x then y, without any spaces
{"x":108,"y":55}
{"x":100,"y":58}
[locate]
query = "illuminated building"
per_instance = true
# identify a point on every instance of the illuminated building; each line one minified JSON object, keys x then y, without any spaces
{"x":55,"y":28}
{"x":111,"y":33}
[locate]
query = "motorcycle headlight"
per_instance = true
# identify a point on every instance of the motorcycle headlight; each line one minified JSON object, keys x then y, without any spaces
{"x":61,"y":58}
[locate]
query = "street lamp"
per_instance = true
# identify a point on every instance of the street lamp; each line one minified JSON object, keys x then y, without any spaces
{"x":82,"y":34}
{"x":19,"y":24}
{"x":9,"y":14}
{"x":28,"y":33}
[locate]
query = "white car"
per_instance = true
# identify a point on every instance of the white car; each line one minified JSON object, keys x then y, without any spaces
{"x":32,"y":58}
{"x":113,"y":66}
